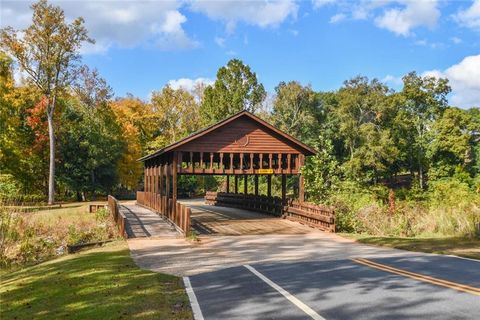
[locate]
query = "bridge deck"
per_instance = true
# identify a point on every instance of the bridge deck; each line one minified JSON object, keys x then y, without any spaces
{"x":142,"y":222}
{"x":213,"y":220}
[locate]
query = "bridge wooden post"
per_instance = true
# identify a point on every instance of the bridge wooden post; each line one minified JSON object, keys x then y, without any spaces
{"x":235,"y":190}
{"x":228,"y":184}
{"x":301,"y":182}
{"x":245,"y":184}
{"x":174,"y":176}
{"x":256,"y":184}
{"x":269,"y":185}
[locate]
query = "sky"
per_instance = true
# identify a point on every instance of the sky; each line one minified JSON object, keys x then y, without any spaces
{"x":143,"y":45}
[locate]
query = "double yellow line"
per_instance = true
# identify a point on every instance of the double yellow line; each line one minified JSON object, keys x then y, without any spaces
{"x":420,"y":277}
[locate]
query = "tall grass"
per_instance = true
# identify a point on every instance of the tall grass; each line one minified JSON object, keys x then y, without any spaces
{"x":31,"y":236}
{"x":449,"y":208}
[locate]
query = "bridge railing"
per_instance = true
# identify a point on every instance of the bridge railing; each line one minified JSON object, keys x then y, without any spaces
{"x":269,"y":205}
{"x":177,"y":213}
{"x":118,"y":217}
{"x":313,"y":215}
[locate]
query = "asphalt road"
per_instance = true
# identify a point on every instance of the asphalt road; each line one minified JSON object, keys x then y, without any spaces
{"x":343,"y":289}
{"x":310,"y":275}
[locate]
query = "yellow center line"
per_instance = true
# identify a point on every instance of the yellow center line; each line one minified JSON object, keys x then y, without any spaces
{"x":420,"y":277}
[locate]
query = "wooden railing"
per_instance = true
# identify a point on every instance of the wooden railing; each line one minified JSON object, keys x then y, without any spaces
{"x":117,"y":216}
{"x":270,"y":205}
{"x":313,"y":215}
{"x":175,"y":212}
{"x":317,"y":216}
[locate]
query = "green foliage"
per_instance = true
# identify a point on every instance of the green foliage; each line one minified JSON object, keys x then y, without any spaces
{"x":235,"y":89}
{"x":294,"y":109}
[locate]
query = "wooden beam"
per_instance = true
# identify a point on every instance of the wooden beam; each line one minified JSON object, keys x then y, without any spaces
{"x":279,"y":162}
{"x":256,"y":185}
{"x":289,"y":160}
{"x":211,"y":160}
{"x":269,"y":185}
{"x":245,"y":184}
{"x":301,"y":182}
{"x":222,"y":166}
{"x":145,"y":178}
{"x":241,"y":161}
{"x":231,"y":162}
{"x":251,"y":162}
{"x":201,"y":160}
{"x":174,"y":176}
{"x":270,"y":156}
{"x":167,"y":180}
{"x":162,"y":172}
{"x":235,"y":190}
{"x":191,"y":161}
{"x":261,"y":160}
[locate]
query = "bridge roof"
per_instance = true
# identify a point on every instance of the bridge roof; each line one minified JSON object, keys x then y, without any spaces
{"x":270,"y":139}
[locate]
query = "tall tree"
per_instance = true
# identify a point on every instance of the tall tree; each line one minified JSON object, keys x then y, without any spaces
{"x":425,"y":98}
{"x":176,"y":116}
{"x":235,"y":89}
{"x":294,"y":107}
{"x":48,"y":51}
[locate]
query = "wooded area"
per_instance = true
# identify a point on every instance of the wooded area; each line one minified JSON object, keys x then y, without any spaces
{"x":392,"y":162}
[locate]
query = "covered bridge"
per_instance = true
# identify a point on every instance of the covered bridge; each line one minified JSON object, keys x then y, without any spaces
{"x":238,"y":146}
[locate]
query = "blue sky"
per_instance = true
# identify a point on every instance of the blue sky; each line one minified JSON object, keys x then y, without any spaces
{"x":143,"y":45}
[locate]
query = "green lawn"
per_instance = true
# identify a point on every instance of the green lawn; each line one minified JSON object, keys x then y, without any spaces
{"x":102,"y":283}
{"x":463,"y":247}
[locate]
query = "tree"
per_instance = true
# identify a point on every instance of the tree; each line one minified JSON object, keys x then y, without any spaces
{"x":425,"y":98}
{"x":363,"y":116}
{"x":451,"y":147}
{"x":176,"y":116}
{"x":235,"y":89}
{"x":294,"y":107}
{"x":47,"y":51}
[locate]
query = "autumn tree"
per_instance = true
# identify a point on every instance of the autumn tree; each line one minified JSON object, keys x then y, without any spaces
{"x":236,"y":88}
{"x":176,"y":116}
{"x":48,"y":52}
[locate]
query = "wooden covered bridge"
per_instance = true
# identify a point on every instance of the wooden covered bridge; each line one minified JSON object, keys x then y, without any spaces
{"x":240,"y":146}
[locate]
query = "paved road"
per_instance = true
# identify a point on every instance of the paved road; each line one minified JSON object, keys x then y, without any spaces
{"x":339,"y":289}
{"x":312,"y":276}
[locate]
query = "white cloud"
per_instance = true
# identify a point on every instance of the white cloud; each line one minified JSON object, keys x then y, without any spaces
{"x":414,"y":14}
{"x":470,"y":17}
{"x":321,"y":3}
{"x":396,"y":81}
{"x":188,"y":84}
{"x":258,"y":13}
{"x":464,"y":79}
{"x":220,"y":41}
{"x":337,"y":18}
{"x":115,"y":23}
{"x":456,"y":40}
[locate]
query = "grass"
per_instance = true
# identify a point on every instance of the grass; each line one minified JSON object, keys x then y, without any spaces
{"x":102,"y":283}
{"x":463,"y":247}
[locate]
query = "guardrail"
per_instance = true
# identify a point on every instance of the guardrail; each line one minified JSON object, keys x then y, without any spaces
{"x":317,"y":216}
{"x":118,"y":217}
{"x":270,"y":205}
{"x":175,"y":212}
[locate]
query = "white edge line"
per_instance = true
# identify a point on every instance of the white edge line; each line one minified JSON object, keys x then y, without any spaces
{"x":302,"y":306}
{"x":458,"y":257}
{"x":197,"y":312}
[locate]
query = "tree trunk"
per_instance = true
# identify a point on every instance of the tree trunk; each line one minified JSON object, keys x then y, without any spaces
{"x":51,"y":172}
